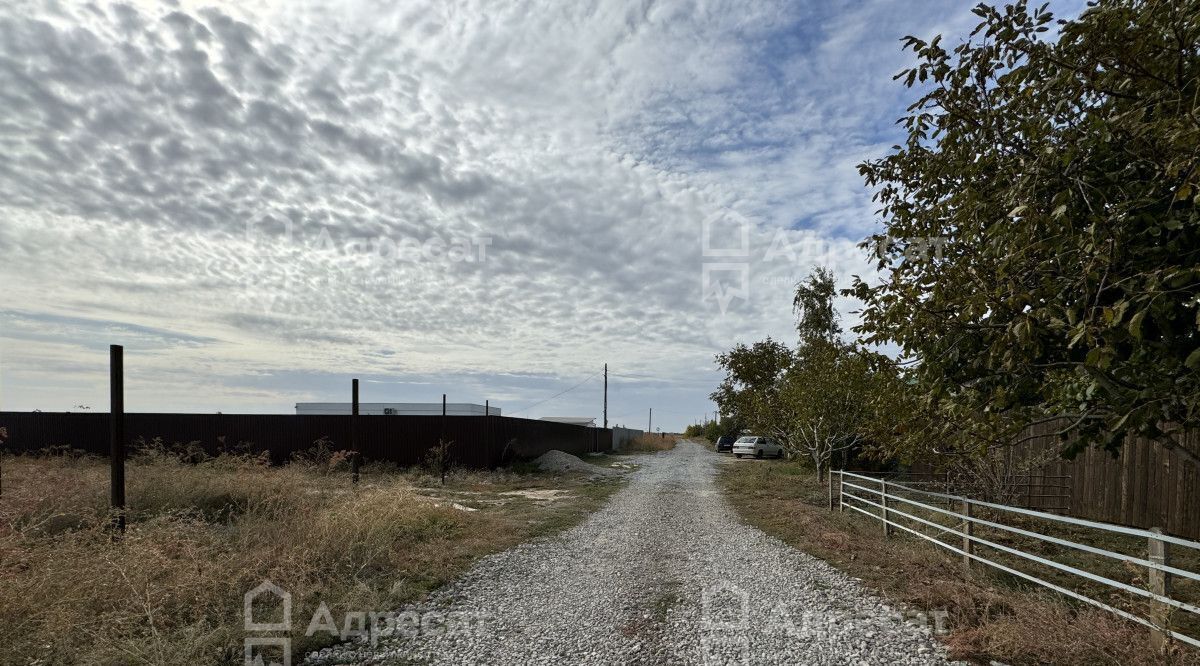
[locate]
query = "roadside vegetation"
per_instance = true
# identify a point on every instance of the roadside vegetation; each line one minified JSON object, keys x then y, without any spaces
{"x":651,"y":442}
{"x":1038,"y":265}
{"x":1039,"y":255}
{"x":202,"y":533}
{"x":987,"y":616}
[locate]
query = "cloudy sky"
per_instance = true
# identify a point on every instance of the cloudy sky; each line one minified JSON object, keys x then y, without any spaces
{"x":484,"y":198}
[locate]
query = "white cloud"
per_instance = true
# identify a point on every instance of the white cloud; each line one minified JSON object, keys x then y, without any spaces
{"x":582,"y":145}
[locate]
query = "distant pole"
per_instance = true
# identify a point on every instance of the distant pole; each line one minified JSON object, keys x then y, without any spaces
{"x":443,"y":416}
{"x":116,"y":420}
{"x":487,"y":411}
{"x":605,"y":395}
{"x":650,"y":423}
{"x":354,"y":455}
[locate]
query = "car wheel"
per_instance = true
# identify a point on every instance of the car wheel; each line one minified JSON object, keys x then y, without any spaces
{"x":758,"y":454}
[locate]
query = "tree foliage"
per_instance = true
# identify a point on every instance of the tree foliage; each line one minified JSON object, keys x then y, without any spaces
{"x":1058,"y":177}
{"x":814,"y":399}
{"x":714,"y":429}
{"x":749,"y":393}
{"x":826,"y":400}
{"x":816,"y":318}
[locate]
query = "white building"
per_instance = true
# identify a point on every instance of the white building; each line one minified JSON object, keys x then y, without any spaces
{"x":395,"y":408}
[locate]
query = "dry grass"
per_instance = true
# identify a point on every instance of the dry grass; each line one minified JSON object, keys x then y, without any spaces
{"x":987,"y":617}
{"x":651,"y":442}
{"x":200,"y":536}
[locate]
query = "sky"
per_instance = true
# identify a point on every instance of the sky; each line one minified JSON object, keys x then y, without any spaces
{"x":487,"y":199}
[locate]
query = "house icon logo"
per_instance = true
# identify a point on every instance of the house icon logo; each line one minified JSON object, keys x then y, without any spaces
{"x":724,"y":625}
{"x":271,"y":595}
{"x":725,"y":607}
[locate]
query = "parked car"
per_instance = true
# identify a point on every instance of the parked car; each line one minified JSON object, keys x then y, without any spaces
{"x":725,"y":443}
{"x":759,"y":447}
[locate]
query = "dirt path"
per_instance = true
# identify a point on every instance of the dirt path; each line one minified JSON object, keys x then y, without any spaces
{"x":665,"y":573}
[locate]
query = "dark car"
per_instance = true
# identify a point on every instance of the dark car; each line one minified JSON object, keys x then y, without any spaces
{"x":725,"y":443}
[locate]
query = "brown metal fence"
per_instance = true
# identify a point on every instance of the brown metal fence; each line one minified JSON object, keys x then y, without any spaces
{"x":479,"y":441}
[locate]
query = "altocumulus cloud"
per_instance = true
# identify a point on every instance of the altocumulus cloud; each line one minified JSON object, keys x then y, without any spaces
{"x":490,"y":198}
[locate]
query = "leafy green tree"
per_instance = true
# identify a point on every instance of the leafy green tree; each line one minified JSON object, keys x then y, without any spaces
{"x":749,"y":394}
{"x":816,"y":317}
{"x":824,"y":403}
{"x":721,"y":427}
{"x":816,"y":399}
{"x":1042,"y":237}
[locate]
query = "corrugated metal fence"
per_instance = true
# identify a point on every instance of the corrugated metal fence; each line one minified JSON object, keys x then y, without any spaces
{"x":479,"y":441}
{"x":623,"y":436}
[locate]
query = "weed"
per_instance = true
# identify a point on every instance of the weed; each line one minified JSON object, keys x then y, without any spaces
{"x":989,"y":617}
{"x":203,"y":532}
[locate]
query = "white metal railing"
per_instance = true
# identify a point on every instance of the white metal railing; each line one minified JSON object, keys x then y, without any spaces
{"x":883,"y":507}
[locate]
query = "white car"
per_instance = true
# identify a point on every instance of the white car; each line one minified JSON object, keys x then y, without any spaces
{"x":759,"y":447}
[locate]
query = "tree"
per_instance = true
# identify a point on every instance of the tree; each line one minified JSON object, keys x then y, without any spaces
{"x":748,"y":395}
{"x":824,"y":402}
{"x":714,"y":429}
{"x":816,"y":318}
{"x":1042,"y":235}
{"x":815,"y":400}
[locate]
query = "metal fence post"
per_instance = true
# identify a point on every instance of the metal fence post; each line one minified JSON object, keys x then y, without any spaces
{"x":841,"y":492}
{"x":116,"y":424}
{"x":354,"y":455}
{"x":1160,"y":584}
{"x":968,"y":530}
{"x":887,"y":529}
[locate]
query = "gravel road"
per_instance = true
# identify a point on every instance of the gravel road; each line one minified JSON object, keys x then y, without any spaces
{"x":665,"y":573}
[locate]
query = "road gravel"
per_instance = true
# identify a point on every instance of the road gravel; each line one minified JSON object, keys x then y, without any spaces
{"x":664,"y":573}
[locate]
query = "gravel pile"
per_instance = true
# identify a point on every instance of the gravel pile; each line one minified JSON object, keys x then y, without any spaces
{"x":557,"y":461}
{"x":664,"y":574}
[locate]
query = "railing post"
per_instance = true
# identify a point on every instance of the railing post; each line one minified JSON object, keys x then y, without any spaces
{"x":968,"y":530}
{"x":1160,"y":584}
{"x":842,"y":491}
{"x":883,"y":497}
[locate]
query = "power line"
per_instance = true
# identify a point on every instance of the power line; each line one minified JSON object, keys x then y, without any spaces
{"x":524,"y":409}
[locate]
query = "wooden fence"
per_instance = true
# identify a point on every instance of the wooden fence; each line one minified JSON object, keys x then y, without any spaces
{"x":479,"y":441}
{"x":1145,"y":485}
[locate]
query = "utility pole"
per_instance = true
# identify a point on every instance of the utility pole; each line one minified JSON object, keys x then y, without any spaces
{"x":606,"y":395}
{"x":650,"y":424}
